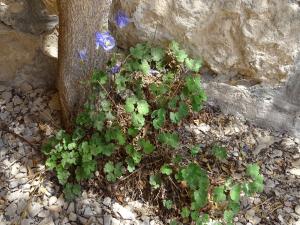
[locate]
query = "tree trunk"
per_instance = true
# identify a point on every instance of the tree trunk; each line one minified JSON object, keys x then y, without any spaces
{"x":78,"y":22}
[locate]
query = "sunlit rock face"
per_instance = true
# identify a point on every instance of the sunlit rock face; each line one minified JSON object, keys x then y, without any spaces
{"x":28,"y":50}
{"x":30,"y":16}
{"x":255,"y":39}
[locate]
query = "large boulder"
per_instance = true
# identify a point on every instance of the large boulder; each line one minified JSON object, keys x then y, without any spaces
{"x":28,"y":52}
{"x":30,"y":16}
{"x":254,"y":39}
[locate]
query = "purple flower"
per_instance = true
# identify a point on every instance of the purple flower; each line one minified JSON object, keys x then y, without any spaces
{"x":105,"y":40}
{"x":122,"y":19}
{"x":115,"y":69}
{"x":246,"y":148}
{"x":153,"y":72}
{"x":83,"y":54}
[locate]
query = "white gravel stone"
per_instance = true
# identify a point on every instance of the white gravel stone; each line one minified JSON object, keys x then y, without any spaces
{"x":52,"y":200}
{"x":125,"y":213}
{"x":6,"y":96}
{"x":28,"y":221}
{"x":107,"y":201}
{"x":204,"y":127}
{"x":82,"y":220}
{"x":297,"y":210}
{"x":276,"y":153}
{"x":17,"y":100}
{"x":2,"y":88}
{"x":114,"y":221}
{"x":15,"y":169}
{"x":107,"y":219}
{"x":16,"y":195}
{"x":295,"y":171}
{"x":88,"y":212}
{"x":47,"y":221}
{"x":11,"y":210}
{"x":55,"y":208}
{"x":72,"y":217}
{"x":34,"y":209}
{"x":44,"y":214}
{"x":21,"y":205}
{"x":71,"y":207}
{"x":13,"y":184}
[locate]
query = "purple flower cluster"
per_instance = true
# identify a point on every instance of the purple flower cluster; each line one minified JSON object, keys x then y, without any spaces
{"x":115,"y":69}
{"x":105,"y":40}
{"x":121,"y":19}
{"x":83,"y":54}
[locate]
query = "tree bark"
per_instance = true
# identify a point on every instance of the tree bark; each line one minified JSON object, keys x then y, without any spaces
{"x":78,"y":22}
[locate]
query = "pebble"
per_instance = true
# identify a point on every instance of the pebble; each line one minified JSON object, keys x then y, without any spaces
{"x":17,"y":100}
{"x":82,"y":220}
{"x":47,"y":221}
{"x":276,"y":154}
{"x":12,"y":196}
{"x":295,"y":171}
{"x":71,"y":207}
{"x":107,"y":201}
{"x":297,"y":209}
{"x":52,"y":200}
{"x":72,"y":217}
{"x":204,"y":127}
{"x":55,"y":208}
{"x":107,"y":219}
{"x":27,"y":222}
{"x":15,"y":169}
{"x":114,"y":221}
{"x":34,"y":208}
{"x":125,"y":213}
{"x":11,"y":210}
{"x":6,"y":96}
{"x":13,"y":184}
{"x":44,"y":214}
{"x":2,"y":88}
{"x":25,"y":87}
{"x":263,"y":142}
{"x":88,"y":212}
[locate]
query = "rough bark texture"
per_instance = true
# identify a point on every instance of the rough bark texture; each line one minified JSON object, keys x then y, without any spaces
{"x":79,"y":20}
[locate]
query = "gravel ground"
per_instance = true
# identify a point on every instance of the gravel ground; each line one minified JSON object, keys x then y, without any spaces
{"x":277,"y":154}
{"x":28,"y":195}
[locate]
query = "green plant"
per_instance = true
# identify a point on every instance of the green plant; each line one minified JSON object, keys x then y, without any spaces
{"x":168,"y":204}
{"x":113,"y":171}
{"x":131,"y":118}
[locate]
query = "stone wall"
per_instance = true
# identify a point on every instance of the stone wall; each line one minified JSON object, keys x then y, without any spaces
{"x":25,"y":53}
{"x":252,"y":39}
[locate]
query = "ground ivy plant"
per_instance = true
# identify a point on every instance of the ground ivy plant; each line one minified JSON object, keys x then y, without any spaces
{"x":134,"y":108}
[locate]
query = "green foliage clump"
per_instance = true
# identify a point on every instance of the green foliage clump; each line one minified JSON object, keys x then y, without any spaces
{"x":133,"y":115}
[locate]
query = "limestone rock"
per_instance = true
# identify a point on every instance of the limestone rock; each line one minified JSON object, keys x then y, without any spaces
{"x":22,"y":60}
{"x":265,"y":106}
{"x":17,"y":50}
{"x":29,"y":16}
{"x":257,"y":39}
